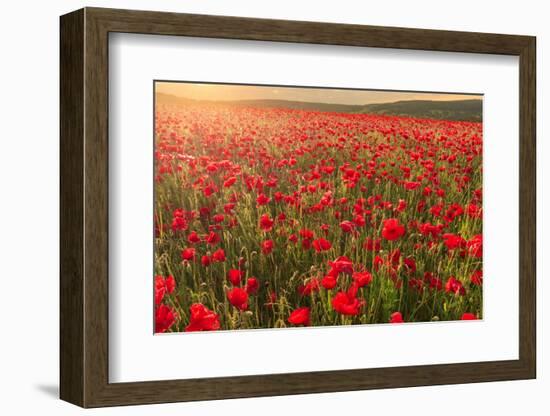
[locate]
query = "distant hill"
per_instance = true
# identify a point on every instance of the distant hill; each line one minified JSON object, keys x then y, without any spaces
{"x":162,"y":98}
{"x":464,"y":110}
{"x":293,"y":105}
{"x":301,"y":105}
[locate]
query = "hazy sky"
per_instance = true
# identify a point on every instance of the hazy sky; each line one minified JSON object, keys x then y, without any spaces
{"x":221,"y":92}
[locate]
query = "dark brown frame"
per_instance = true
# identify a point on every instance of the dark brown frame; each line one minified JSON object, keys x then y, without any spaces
{"x":84,"y":209}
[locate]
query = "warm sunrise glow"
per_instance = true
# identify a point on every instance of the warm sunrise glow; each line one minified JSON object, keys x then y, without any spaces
{"x":225,"y":92}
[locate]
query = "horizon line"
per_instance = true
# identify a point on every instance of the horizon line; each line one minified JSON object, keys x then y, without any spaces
{"x":192,"y":90}
{"x":325,"y":102}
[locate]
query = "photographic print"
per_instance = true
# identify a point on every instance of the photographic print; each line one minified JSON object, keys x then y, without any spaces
{"x":281,"y":207}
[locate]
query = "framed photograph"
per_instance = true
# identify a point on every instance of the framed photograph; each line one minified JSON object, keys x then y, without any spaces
{"x":257,"y":207}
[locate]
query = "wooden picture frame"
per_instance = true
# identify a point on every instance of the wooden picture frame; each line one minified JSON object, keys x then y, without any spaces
{"x":84,"y":207}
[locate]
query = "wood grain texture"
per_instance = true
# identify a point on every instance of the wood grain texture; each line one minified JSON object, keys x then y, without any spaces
{"x":226,"y":27}
{"x":84,"y":207}
{"x":96,"y":219}
{"x":527,"y":207}
{"x":71,"y":213}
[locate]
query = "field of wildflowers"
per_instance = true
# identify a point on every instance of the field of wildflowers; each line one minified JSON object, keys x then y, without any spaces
{"x":270,"y":218}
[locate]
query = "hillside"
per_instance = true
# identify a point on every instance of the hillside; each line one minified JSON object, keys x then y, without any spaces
{"x":301,"y":105}
{"x":464,"y":110}
{"x":162,"y":98}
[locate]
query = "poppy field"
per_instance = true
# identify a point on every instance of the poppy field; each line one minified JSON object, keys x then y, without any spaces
{"x":274,"y":218}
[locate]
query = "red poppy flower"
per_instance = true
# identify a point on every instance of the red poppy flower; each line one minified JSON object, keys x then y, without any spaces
{"x":347,"y":226}
{"x":396,"y":318}
{"x":428,"y":229}
{"x":410,"y":264}
{"x":188,"y":254}
{"x":321,"y":245}
{"x":228,"y":209}
{"x":433,"y":282}
{"x":164,"y":318}
{"x":179,"y":213}
{"x":401,"y":206}
{"x":299,"y":316}
{"x":436,"y":210}
{"x":329,"y":282}
{"x":206,"y":260}
{"x":454,"y":210}
{"x":209,"y":190}
{"x":266,"y":223}
{"x":306,"y":234}
{"x":170,"y":283}
{"x":392,"y":229}
{"x":477,"y":278}
{"x":238,"y":298}
{"x":235,"y":276}
{"x":359,"y":220}
{"x":204,"y":212}
{"x":262,"y":199}
{"x":212,"y":238}
{"x":394,"y":257}
{"x":163,"y":286}
{"x":468,"y":317}
{"x":454,"y":286}
{"x":229,"y":182}
{"x":475,"y":211}
{"x":345,"y":304}
{"x":353,"y":289}
{"x":362,"y":278}
{"x":377,"y":262}
{"x":453,"y":241}
{"x":311,"y":286}
{"x":267,"y":246}
{"x":409,"y":186}
{"x":218,"y":255}
{"x":341,"y":265}
{"x":160,"y":289}
{"x":202,"y":319}
{"x":475,"y":246}
{"x":193,"y":238}
{"x":179,"y":224}
{"x":252,"y":285}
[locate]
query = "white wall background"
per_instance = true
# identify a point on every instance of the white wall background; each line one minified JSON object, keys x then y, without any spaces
{"x":29,"y":159}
